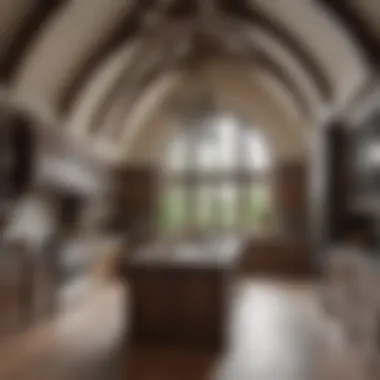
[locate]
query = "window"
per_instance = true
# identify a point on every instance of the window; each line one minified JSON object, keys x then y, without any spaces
{"x":216,"y":177}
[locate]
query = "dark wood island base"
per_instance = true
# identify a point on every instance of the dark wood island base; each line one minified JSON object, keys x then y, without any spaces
{"x":180,"y":294}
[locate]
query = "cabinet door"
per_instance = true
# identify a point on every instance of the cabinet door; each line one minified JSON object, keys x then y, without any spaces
{"x":153,"y":316}
{"x":201,"y":306}
{"x":15,"y":300}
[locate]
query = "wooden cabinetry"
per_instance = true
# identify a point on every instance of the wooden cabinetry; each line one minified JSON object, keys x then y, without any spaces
{"x":12,"y":293}
{"x":279,"y":256}
{"x":134,"y":200}
{"x":181,"y":300}
{"x":19,"y":277}
{"x":180,"y":306}
{"x":153,"y":304}
{"x":203,"y":306}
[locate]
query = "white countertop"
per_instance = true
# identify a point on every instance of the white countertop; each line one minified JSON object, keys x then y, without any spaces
{"x":216,"y":253}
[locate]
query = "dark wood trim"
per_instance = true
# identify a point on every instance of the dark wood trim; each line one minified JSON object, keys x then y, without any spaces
{"x":339,"y":179}
{"x":32,"y":25}
{"x":272,"y":26}
{"x":281,"y":256}
{"x":182,"y":8}
{"x":331,"y":167}
{"x":348,"y":15}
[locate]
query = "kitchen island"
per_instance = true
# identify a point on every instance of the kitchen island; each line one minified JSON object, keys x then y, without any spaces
{"x":181,"y":292}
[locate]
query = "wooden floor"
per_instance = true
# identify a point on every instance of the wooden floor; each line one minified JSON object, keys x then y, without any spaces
{"x":278,"y":333}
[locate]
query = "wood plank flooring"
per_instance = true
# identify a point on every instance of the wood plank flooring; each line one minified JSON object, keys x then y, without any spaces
{"x":278,"y":333}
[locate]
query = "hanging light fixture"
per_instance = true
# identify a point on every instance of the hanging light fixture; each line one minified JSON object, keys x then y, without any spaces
{"x":201,"y":115}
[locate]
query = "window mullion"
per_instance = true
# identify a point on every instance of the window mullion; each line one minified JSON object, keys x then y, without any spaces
{"x":232,"y":187}
{"x":215,"y":206}
{"x":192,"y":186}
{"x":241,"y":183}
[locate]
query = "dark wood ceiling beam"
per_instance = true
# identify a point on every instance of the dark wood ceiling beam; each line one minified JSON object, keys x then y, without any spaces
{"x":349,"y":16}
{"x":31,"y":26}
{"x":245,"y":11}
{"x":183,"y":8}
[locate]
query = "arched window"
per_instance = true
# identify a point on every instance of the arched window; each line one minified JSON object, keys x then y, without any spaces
{"x":217,"y":177}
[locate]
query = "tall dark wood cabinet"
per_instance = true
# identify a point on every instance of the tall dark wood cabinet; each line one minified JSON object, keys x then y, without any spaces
{"x":339,"y":179}
{"x":134,"y":200}
{"x":331,"y":183}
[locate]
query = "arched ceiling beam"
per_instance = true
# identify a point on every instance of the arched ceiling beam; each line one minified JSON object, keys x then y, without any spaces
{"x":349,"y":16}
{"x":238,"y":45}
{"x":175,"y":9}
{"x":41,"y":117}
{"x":128,"y":27}
{"x":30,"y":27}
{"x":256,"y":57}
{"x":90,"y":97}
{"x":182,"y":8}
{"x":127,"y":90}
{"x":247,"y":12}
{"x":155,"y":56}
{"x":273,"y":68}
{"x":122,"y":101}
{"x":239,"y":91}
{"x":65,"y":43}
{"x":150,"y":100}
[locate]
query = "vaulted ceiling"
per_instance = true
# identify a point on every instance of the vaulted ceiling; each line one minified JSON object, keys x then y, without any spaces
{"x":98,"y":65}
